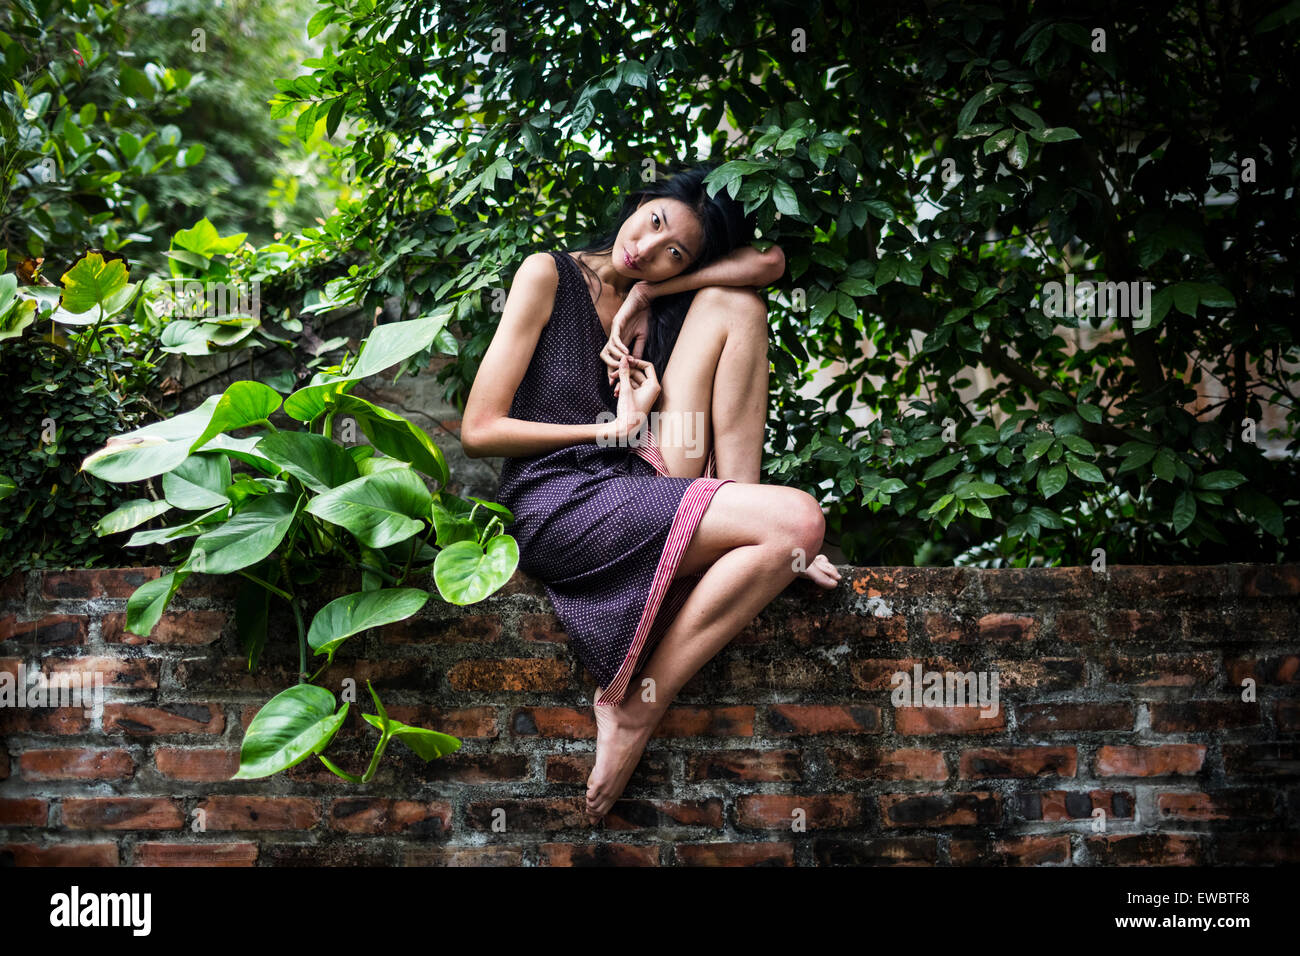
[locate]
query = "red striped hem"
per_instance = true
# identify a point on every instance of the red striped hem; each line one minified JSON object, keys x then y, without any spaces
{"x":689,"y":512}
{"x":649,"y":450}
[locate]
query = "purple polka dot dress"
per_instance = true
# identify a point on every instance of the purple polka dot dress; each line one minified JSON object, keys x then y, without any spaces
{"x":602,"y":527}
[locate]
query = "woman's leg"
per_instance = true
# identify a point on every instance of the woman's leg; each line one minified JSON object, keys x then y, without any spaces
{"x":748,"y":564}
{"x":714,"y":388}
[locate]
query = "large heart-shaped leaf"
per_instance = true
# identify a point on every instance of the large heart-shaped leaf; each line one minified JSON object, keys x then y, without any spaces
{"x":394,"y":435}
{"x":151,"y":450}
{"x":395,"y":342}
{"x":316,"y":461}
{"x":353,"y":613}
{"x":198,"y":483}
{"x":92,"y":282}
{"x":241,"y":405}
{"x":466,"y":573}
{"x":379,"y":509}
{"x":248,"y":537}
{"x":427,"y":744}
{"x":291,"y":726}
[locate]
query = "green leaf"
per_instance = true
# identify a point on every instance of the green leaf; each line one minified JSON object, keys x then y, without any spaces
{"x":1053,"y":134}
{"x":378,"y":509}
{"x":1184,"y":511}
{"x":151,"y":450}
{"x":1052,"y":480}
{"x":1220,"y":480}
{"x":198,"y":483}
{"x":466,"y":573}
{"x":394,"y":435}
{"x":980,"y":489}
{"x":1164,"y":464}
{"x":975,"y":102}
{"x":145,"y":606}
{"x":784,"y":197}
{"x":1084,"y":470}
{"x":343,"y":617}
{"x":318,"y":462}
{"x":93,"y":282}
{"x":246,"y":538}
{"x":291,"y":726}
{"x":241,"y":405}
{"x":427,"y":744}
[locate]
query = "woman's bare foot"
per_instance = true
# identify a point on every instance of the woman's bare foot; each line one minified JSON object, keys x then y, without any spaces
{"x":620,"y":741}
{"x":821,"y":572}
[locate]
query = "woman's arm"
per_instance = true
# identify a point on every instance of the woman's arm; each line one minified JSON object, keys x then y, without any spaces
{"x":743,"y":266}
{"x":486,"y":430}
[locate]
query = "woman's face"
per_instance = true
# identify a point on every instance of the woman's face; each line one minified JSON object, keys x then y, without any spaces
{"x":658,"y":241}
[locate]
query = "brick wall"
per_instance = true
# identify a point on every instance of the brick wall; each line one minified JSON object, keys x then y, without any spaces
{"x":1119,"y":692}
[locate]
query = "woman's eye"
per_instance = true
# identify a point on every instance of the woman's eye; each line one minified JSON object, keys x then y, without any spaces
{"x":655,"y":219}
{"x":678,"y":255}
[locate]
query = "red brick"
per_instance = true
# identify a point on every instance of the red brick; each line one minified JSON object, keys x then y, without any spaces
{"x":60,"y":854}
{"x":734,"y":854}
{"x":915,"y":721}
{"x":174,"y":628}
{"x":566,"y":722}
{"x":685,"y":721}
{"x":472,"y":767}
{"x":1006,"y":627}
{"x":1077,"y":627}
{"x":993,"y":762}
{"x":749,"y":765}
{"x":460,"y":629}
{"x":880,"y":851}
{"x":1288,"y":716}
{"x":76,"y":764}
{"x":652,"y":814}
{"x":23,"y":812}
{"x":1163,"y":670}
{"x":1074,"y":718}
{"x":53,"y":630}
{"x":196,"y":854}
{"x":1147,"y":849}
{"x":122,"y":813}
{"x":1268,"y":581}
{"x":95,"y":583}
{"x":44,"y":720}
{"x":784,"y":719}
{"x":1176,"y":717}
{"x":513,"y":674}
{"x":1130,"y":625}
{"x":900,"y":764}
{"x":260,"y":813}
{"x":1011,"y":851}
{"x":1054,"y":805}
{"x":1219,"y":805}
{"x":1041,"y":674}
{"x":541,"y":627}
{"x":179,"y":718}
{"x":126,"y":673}
{"x":1134,"y":585}
{"x":940,"y":809}
{"x":369,"y":815}
{"x":1262,"y":759}
{"x":598,"y":854}
{"x":816,"y":811}
{"x":1280,"y":670}
{"x":490,"y":855}
{"x":1164,"y":760}
{"x":205,"y":765}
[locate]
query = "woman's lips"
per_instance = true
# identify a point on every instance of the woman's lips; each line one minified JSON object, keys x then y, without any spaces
{"x":629,"y":261}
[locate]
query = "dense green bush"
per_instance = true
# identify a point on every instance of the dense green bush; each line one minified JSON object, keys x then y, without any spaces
{"x":927,"y":176}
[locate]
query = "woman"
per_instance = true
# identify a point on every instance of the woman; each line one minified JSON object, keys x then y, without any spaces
{"x":653,"y":556}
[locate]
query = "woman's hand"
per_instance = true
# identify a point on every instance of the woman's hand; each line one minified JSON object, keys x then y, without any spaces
{"x":638,"y":389}
{"x":630,"y":328}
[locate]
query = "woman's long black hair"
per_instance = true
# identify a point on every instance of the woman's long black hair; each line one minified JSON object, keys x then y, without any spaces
{"x":725,"y":227}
